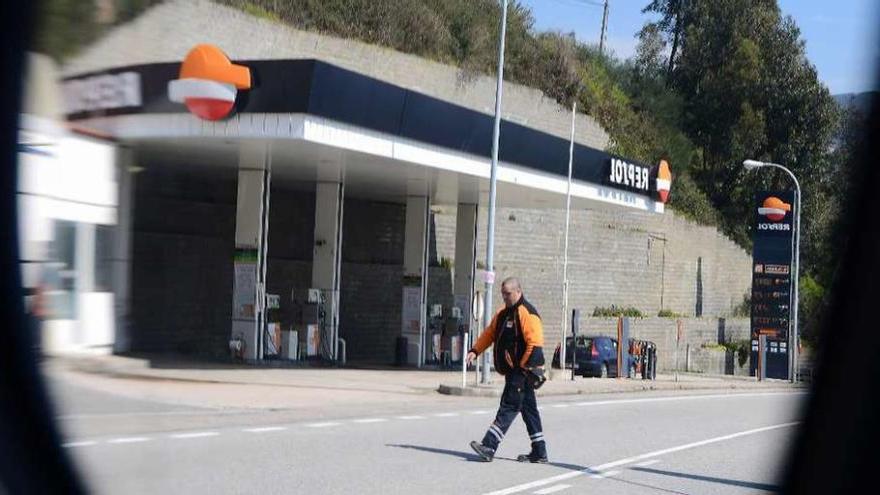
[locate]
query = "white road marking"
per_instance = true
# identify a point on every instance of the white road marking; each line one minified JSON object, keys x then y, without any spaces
{"x":199,"y":412}
{"x":87,"y":443}
{"x":129,"y":440}
{"x":648,"y":463}
{"x":124,"y":440}
{"x":322,"y":425}
{"x":265,"y":429}
{"x":682,"y":398}
{"x":613,"y":464}
{"x":552,"y":489}
{"x":607,"y":474}
{"x":197,"y":434}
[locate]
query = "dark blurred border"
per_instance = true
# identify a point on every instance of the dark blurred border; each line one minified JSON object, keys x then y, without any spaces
{"x":31,"y":457}
{"x":837,"y":450}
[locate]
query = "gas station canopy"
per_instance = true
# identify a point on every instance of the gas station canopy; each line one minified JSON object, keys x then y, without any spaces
{"x":321,"y":122}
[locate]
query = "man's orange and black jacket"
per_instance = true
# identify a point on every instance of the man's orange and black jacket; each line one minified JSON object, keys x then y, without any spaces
{"x":518,"y":337}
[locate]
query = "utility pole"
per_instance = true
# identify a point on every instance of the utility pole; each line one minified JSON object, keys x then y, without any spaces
{"x":562,"y":345}
{"x":604,"y":29}
{"x":493,"y":179}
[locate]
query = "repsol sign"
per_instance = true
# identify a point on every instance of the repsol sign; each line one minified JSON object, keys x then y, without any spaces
{"x":775,"y":226}
{"x":102,"y":92}
{"x":629,"y":175}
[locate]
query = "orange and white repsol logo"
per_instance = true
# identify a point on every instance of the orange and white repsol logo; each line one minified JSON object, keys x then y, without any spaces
{"x":775,"y":210}
{"x":208,"y":83}
{"x":664,"y":181}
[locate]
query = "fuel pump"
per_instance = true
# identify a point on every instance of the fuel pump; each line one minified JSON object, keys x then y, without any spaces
{"x":309,"y":317}
{"x":435,"y":333}
{"x":457,"y":340}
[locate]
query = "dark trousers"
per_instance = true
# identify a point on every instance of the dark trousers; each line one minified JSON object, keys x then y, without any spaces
{"x":518,"y":398}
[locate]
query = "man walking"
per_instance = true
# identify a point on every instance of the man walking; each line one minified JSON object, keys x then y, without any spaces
{"x":518,"y":338}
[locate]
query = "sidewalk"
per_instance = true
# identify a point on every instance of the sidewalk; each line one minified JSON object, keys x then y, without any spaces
{"x":584,"y":386}
{"x":225,"y":386}
{"x":381,"y":383}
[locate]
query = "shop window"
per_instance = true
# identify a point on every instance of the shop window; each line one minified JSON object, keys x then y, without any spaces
{"x":59,"y":274}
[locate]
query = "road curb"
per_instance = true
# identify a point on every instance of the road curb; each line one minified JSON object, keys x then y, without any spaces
{"x":469,"y":391}
{"x":137,"y":369}
{"x":483,"y":391}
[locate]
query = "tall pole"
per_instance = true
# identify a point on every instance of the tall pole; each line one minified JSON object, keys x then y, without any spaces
{"x":562,"y":349}
{"x":793,"y":334}
{"x":604,"y":29}
{"x":793,"y":349}
{"x":490,"y":237}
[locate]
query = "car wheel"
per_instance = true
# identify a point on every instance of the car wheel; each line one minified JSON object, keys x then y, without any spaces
{"x":604,"y":371}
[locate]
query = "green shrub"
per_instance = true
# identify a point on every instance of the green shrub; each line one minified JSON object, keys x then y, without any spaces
{"x":744,"y":308}
{"x":668,"y":313}
{"x":614,"y":312}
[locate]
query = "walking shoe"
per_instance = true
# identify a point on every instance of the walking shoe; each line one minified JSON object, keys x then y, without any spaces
{"x":533,"y":458}
{"x":485,"y":453}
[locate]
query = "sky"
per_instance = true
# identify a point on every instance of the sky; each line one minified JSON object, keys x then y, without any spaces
{"x":841,"y":36}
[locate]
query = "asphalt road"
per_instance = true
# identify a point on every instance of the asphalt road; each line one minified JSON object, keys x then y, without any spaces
{"x":620,"y":443}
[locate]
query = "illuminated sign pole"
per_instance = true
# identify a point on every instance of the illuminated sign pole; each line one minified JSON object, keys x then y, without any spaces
{"x":793,"y":336}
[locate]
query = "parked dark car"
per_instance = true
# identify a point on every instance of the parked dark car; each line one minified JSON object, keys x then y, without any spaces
{"x":596,"y":356}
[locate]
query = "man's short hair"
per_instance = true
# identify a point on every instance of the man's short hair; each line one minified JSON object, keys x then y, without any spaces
{"x":511,"y":283}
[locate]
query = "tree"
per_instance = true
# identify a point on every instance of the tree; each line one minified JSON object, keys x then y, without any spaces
{"x":62,"y":26}
{"x":675,"y":16}
{"x":748,"y":91}
{"x":648,"y":63}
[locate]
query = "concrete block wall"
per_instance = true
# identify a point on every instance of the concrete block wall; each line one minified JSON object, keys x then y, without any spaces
{"x":372,"y":279}
{"x":715,"y":361}
{"x":443,"y":234}
{"x":696,"y":332}
{"x":702,"y":360}
{"x":370,"y":310}
{"x":291,"y":224}
{"x":617,"y":258}
{"x":372,"y":291}
{"x":371,"y":307}
{"x":166,"y":32}
{"x":373,"y":232}
{"x":175,"y":279}
{"x":291,"y":240}
{"x":182,"y":248}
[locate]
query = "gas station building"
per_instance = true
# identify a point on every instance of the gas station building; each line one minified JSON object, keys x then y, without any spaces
{"x":264,"y":198}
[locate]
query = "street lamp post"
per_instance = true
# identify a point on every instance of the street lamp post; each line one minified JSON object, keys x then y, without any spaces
{"x":793,"y":335}
{"x":562,"y":345}
{"x":490,"y":237}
